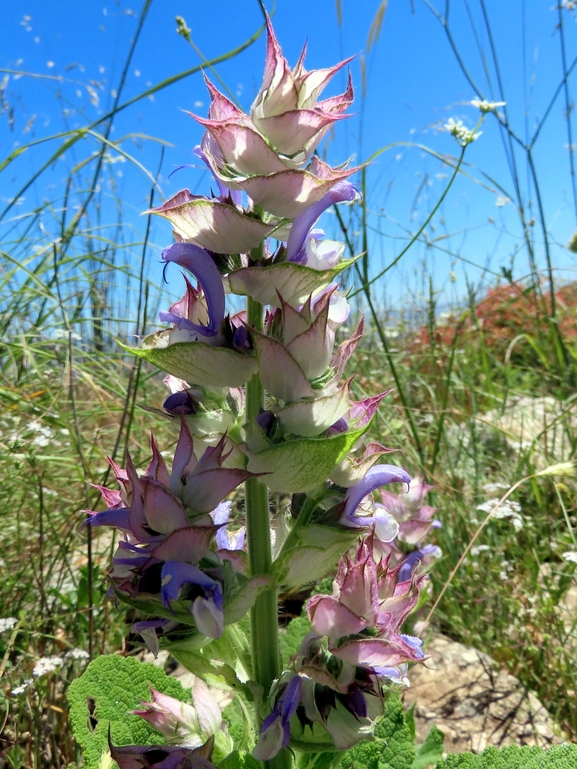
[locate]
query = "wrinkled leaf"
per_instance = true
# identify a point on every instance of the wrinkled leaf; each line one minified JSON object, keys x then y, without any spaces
{"x":103,"y":696}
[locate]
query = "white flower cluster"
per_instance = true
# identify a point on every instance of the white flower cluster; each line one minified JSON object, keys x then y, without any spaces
{"x":485,"y":106}
{"x":47,"y":665}
{"x":570,"y":555}
{"x":7,"y":623}
{"x":62,"y":333}
{"x":77,"y":654}
{"x":22,"y":687}
{"x":493,"y":488}
{"x":507,"y":510}
{"x":44,"y":434}
{"x":463,"y":135}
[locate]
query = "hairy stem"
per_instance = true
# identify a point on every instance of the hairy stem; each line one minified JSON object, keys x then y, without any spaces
{"x":264,"y":621}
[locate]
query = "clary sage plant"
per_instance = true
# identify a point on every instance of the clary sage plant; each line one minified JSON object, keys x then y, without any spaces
{"x":260,"y":399}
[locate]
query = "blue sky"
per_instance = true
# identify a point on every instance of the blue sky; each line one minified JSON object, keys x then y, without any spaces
{"x":413,"y":85}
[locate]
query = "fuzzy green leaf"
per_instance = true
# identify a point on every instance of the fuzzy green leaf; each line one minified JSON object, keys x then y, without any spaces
{"x":513,"y":757}
{"x":112,"y":686}
{"x":300,"y":465}
{"x":431,"y":751}
{"x":197,"y":362}
{"x":318,"y":550}
{"x":393,"y":747}
{"x":291,"y":640}
{"x":238,"y":760}
{"x":325,"y":760}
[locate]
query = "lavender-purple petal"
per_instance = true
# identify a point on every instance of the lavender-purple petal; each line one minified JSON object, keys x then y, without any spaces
{"x":303,"y":222}
{"x":176,"y":574}
{"x":379,"y":475}
{"x":179,"y":404}
{"x":197,"y":261}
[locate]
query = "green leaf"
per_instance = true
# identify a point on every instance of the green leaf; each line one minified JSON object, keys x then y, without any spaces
{"x":290,"y":641}
{"x":213,"y":672}
{"x":513,"y":757}
{"x":410,"y":721}
{"x":393,"y":747}
{"x":238,"y":760}
{"x":298,"y":465}
{"x":431,"y":751}
{"x":196,"y":362}
{"x":325,"y":760}
{"x":110,"y":687}
{"x":240,"y":718}
{"x":294,"y":282}
{"x":318,"y":550}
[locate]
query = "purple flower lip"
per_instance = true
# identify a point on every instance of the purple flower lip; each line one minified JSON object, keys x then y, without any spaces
{"x":198,"y":262}
{"x":179,"y":404}
{"x":378,"y":475}
{"x":277,"y":723}
{"x":301,"y":227}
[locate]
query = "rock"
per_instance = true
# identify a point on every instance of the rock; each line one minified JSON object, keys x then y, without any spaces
{"x":473,"y":702}
{"x":541,"y":421}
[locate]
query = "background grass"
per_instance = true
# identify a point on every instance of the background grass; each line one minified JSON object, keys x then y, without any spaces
{"x":484,"y":394}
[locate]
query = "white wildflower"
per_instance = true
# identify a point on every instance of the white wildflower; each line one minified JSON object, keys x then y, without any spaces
{"x":47,"y":665}
{"x":44,"y":434}
{"x":507,"y":510}
{"x":485,"y":106}
{"x":77,"y":654}
{"x":22,"y":688}
{"x":476,"y":549}
{"x":463,"y":135}
{"x":7,"y":623}
{"x":570,"y":555}
{"x":493,"y":488}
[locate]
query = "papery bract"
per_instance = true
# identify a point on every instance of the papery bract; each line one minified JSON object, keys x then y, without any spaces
{"x":285,"y":193}
{"x":286,"y":110}
{"x":215,"y":224}
{"x":179,"y":722}
{"x":168,"y":533}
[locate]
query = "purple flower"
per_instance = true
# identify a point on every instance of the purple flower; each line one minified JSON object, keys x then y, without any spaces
{"x":185,"y":313}
{"x":415,"y":521}
{"x":423,"y":558}
{"x":296,"y":250}
{"x":168,"y":533}
{"x":275,"y":730}
{"x":376,"y":476}
{"x":162,"y":757}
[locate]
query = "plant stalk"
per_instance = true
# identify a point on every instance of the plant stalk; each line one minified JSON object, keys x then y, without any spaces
{"x":264,"y":614}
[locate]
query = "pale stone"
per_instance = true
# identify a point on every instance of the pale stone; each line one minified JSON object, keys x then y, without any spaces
{"x":473,"y":702}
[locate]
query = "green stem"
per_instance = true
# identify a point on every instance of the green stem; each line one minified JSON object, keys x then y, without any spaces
{"x":303,"y":519}
{"x":264,"y":614}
